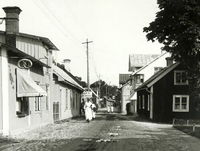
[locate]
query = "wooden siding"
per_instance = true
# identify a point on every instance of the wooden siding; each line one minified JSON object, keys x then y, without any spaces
{"x":2,"y":38}
{"x":1,"y":101}
{"x":163,"y":93}
{"x":33,"y":48}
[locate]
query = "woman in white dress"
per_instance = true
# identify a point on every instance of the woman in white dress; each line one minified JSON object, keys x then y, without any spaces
{"x":88,"y":110}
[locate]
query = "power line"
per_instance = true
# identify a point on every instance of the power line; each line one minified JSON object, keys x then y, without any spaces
{"x":60,"y":23}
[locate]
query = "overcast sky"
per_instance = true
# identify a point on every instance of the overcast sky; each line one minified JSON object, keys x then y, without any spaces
{"x":114,"y":26}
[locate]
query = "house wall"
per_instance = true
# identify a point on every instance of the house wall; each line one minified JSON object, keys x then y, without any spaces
{"x":125,"y":97}
{"x":149,"y":70}
{"x":2,"y":39}
{"x":1,"y":108}
{"x":62,"y":94}
{"x":142,"y":109}
{"x":35,"y":118}
{"x":163,"y":92}
{"x":32,"y":47}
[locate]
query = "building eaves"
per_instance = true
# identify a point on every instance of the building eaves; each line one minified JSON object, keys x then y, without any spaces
{"x":148,"y":64}
{"x":66,"y":77}
{"x":156,"y":77}
{"x":22,"y":54}
{"x":44,"y":40}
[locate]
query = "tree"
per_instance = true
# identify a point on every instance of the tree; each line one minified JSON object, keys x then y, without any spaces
{"x":177,"y":26}
{"x":105,"y":89}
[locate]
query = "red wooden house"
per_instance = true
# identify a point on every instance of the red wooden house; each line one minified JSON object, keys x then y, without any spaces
{"x":166,"y":95}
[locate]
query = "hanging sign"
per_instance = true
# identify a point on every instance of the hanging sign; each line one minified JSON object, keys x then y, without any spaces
{"x":24,"y":63}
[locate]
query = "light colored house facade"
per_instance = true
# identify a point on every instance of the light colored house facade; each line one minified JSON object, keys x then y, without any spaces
{"x":125,"y":94}
{"x":143,"y":67}
{"x":67,"y":94}
{"x":141,"y":75}
{"x":24,"y":92}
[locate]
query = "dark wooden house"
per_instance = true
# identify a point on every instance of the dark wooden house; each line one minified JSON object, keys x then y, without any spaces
{"x":166,"y":95}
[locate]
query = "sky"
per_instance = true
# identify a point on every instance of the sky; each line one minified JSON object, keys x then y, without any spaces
{"x":114,"y":26}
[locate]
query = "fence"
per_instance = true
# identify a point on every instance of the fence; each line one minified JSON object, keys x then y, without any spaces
{"x":187,"y":123}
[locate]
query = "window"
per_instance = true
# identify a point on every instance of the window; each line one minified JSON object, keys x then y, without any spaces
{"x":139,"y":78}
{"x":143,"y":102}
{"x":37,"y":103}
{"x":180,"y":103}
{"x":47,"y":97}
{"x":180,"y":78}
{"x":22,"y":106}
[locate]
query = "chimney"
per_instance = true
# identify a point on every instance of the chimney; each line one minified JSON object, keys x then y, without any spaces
{"x":12,"y":19}
{"x":169,"y":61}
{"x":66,"y":63}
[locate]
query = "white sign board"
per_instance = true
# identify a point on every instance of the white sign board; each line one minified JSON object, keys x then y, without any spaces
{"x":87,"y":94}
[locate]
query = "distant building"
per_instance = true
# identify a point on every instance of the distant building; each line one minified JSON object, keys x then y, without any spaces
{"x":67,"y":94}
{"x":143,"y":66}
{"x":123,"y":78}
{"x":141,"y":75}
{"x":137,"y":61}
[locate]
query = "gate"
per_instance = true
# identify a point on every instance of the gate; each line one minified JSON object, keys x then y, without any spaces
{"x":56,"y":114}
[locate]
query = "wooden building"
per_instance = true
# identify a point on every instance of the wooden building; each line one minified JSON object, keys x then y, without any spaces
{"x":166,"y":95}
{"x":67,"y":94}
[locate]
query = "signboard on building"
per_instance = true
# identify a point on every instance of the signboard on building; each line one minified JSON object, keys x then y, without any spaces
{"x":87,"y":94}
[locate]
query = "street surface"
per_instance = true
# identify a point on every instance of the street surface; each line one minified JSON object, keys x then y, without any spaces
{"x":108,"y":132}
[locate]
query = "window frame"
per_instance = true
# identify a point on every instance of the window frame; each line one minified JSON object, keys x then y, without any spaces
{"x":180,"y":103}
{"x":175,"y":77}
{"x":22,"y":106}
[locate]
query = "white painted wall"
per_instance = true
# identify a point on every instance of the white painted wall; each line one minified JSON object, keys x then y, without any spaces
{"x":125,"y":97}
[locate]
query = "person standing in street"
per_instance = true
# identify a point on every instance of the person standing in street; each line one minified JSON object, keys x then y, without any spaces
{"x":94,"y":109}
{"x":88,"y":110}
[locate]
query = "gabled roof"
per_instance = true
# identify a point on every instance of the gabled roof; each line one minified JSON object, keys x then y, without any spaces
{"x":157,"y":76}
{"x":44,"y":40}
{"x":65,"y":77}
{"x":140,"y":60}
{"x":137,"y":71}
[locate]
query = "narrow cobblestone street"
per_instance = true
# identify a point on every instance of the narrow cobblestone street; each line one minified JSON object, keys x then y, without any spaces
{"x":108,"y":132}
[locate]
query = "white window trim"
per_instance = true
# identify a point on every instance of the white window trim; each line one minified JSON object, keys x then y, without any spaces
{"x":38,"y":109}
{"x":181,"y":83}
{"x":181,"y":110}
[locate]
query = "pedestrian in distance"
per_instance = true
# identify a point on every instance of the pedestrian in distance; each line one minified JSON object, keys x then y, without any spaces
{"x":94,"y":109}
{"x":88,"y":110}
{"x":82,"y":111}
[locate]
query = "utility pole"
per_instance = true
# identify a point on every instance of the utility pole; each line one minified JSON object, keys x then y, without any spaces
{"x":87,"y":49}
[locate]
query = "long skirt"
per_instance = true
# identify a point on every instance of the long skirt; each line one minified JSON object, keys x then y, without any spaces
{"x":88,"y":114}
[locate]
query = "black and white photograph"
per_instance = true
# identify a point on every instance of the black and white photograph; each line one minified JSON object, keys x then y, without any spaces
{"x":99,"y":75}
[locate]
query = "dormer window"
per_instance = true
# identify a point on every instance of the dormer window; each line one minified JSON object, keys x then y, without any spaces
{"x":180,"y":78}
